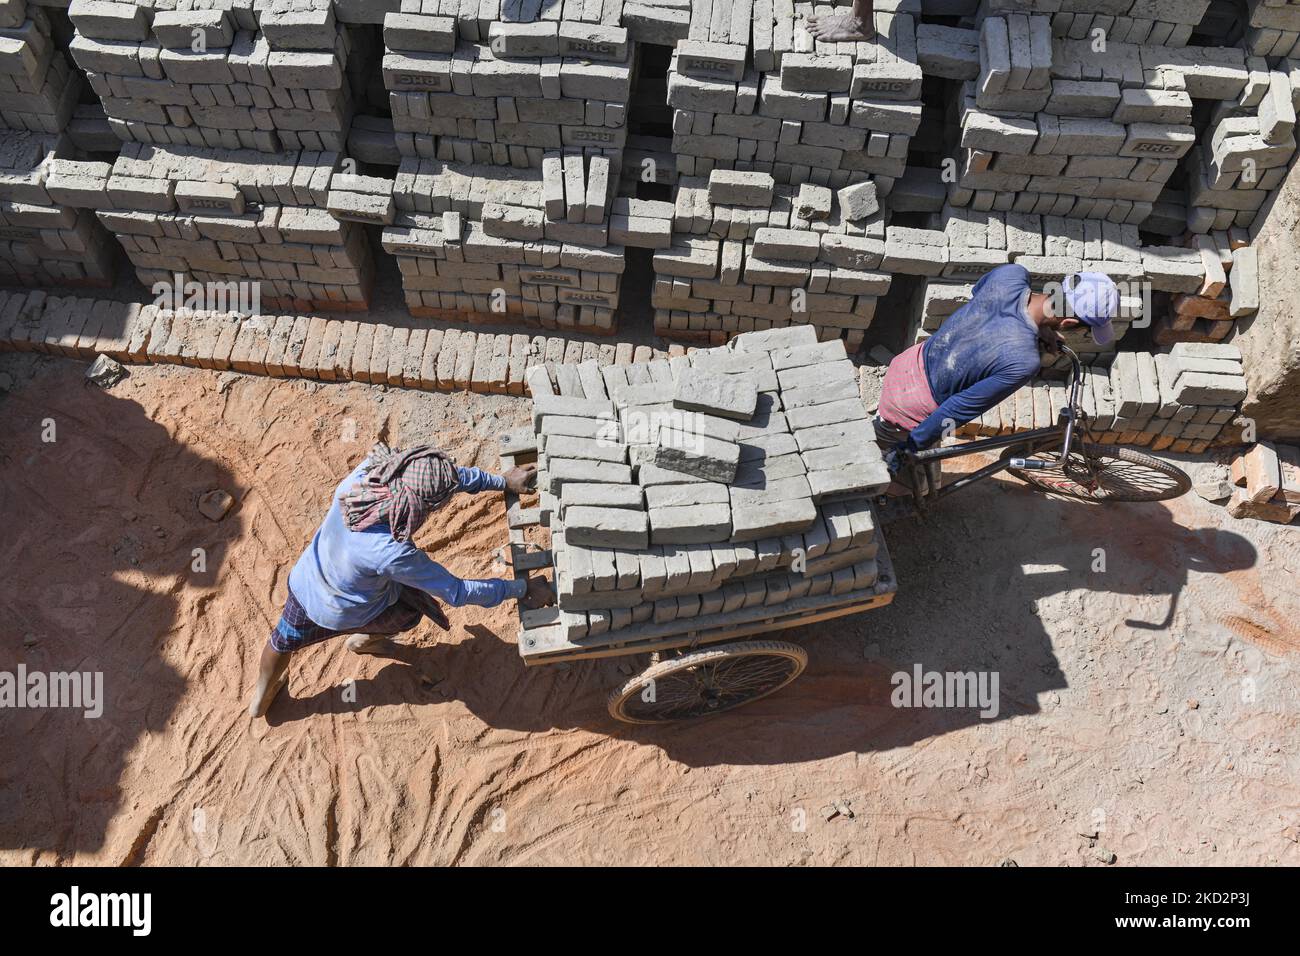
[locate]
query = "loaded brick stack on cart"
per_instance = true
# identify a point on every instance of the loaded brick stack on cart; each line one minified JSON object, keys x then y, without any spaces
{"x":724,"y":493}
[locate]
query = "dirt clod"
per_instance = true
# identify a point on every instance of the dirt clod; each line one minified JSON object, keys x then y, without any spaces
{"x":214,"y":505}
{"x":106,"y":372}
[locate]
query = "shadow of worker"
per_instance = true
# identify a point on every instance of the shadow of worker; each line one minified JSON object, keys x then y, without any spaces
{"x":102,"y":534}
{"x":980,"y":583}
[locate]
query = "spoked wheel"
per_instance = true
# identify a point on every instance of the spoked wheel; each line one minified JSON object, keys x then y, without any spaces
{"x":1110,"y":473}
{"x":706,"y":682}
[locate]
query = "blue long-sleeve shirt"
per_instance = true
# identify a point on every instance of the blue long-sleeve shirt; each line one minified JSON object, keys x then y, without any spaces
{"x":984,"y":352}
{"x":347,"y":578}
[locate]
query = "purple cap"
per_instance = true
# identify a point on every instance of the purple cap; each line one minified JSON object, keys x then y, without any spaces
{"x":1093,"y":299}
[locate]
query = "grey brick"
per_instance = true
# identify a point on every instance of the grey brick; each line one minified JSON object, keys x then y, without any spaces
{"x":1154,"y":106}
{"x":824,"y":373}
{"x":562,"y":470}
{"x":867,"y":478}
{"x":741,"y":188}
{"x":831,"y":413}
{"x":105,"y":20}
{"x":793,"y":398}
{"x":1096,"y":99}
{"x":824,"y":436}
{"x":1244,"y":282}
{"x":858,"y":201}
{"x":580,"y":494}
{"x":690,"y":524}
{"x":759,"y":472}
{"x":816,"y":73}
{"x":697,"y":455}
{"x":833,"y":457}
{"x":692,"y":493}
{"x":829,"y":351}
{"x":651,"y":475}
{"x":711,"y":60}
{"x":796,"y":245}
{"x":762,"y":447}
{"x":568,"y":446}
{"x":593,"y":41}
{"x":544,"y":405}
{"x":1203,"y":388}
{"x":729,"y":396}
{"x":536,"y":39}
{"x":606,"y":527}
{"x":814,"y":202}
{"x":756,"y":522}
{"x":794,"y":336}
{"x":417,"y":33}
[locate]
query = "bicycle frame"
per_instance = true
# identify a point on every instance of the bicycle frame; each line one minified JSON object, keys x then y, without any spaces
{"x":1064,"y":430}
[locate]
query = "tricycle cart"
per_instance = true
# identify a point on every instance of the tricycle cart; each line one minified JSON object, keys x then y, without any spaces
{"x":720,"y":663}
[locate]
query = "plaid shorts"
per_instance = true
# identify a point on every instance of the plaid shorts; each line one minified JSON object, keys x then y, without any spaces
{"x":297,"y":630}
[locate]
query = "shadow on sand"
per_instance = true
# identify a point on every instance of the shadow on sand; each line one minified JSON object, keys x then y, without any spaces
{"x":111,"y":500}
{"x":1018,"y":546}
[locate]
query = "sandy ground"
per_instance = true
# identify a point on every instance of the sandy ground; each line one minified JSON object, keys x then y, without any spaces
{"x":1152,"y":704}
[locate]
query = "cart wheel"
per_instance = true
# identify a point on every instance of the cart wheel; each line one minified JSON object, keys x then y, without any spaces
{"x":701,"y":683}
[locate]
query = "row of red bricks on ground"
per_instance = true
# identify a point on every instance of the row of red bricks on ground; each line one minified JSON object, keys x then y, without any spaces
{"x":296,"y":346}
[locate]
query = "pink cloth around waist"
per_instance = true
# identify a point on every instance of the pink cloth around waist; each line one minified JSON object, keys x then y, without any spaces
{"x":906,"y":399}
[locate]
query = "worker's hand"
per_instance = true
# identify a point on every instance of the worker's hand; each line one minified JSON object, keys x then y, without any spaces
{"x":895,"y":456}
{"x":521,"y":478}
{"x":894,"y":460}
{"x":539,"y":593}
{"x":438,"y":616}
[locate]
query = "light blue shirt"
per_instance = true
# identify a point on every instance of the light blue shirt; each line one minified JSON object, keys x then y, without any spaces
{"x":348,"y":578}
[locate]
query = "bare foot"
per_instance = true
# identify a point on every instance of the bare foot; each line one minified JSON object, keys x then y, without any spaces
{"x":264,"y":695}
{"x":368,"y":644}
{"x":839,"y":26}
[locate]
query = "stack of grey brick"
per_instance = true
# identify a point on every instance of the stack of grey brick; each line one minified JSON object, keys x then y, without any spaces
{"x":1246,"y":152}
{"x":38,"y":87}
{"x":511,"y":127}
{"x":1151,"y":22}
{"x":1273,"y":28}
{"x":271,"y":75}
{"x":46,"y":236}
{"x":1080,"y":134}
{"x":533,"y":81}
{"x":1179,"y":399}
{"x":545,"y":245}
{"x":221,"y":216}
{"x":803,"y":110}
{"x":1113,"y":125}
{"x":747,"y":255}
{"x":661,"y":509}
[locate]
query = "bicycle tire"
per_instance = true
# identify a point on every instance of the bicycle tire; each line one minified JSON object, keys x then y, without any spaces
{"x":1133,"y":478}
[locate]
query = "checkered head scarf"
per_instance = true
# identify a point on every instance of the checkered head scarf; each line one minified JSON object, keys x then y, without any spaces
{"x":402,"y":488}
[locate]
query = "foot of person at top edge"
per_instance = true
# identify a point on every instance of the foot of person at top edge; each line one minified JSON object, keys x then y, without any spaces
{"x":840,"y":26}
